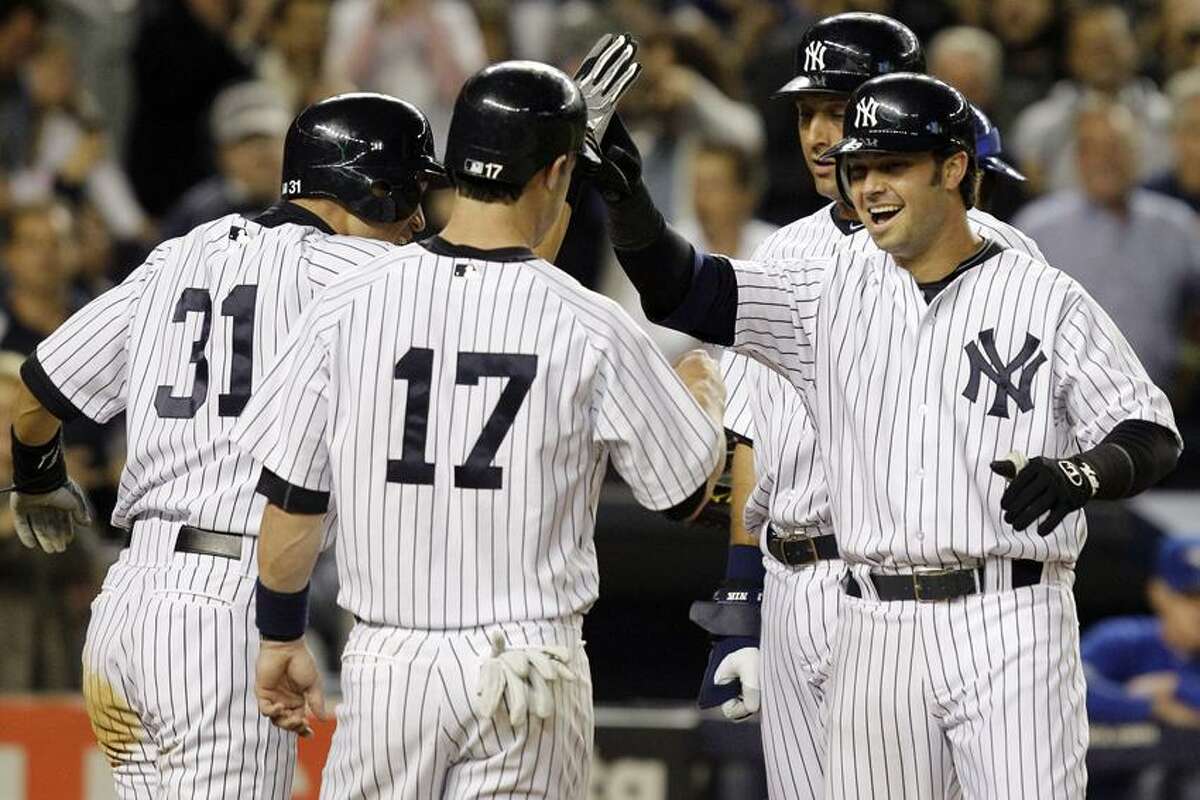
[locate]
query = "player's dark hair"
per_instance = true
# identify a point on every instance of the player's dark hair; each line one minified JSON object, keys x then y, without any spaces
{"x":487,"y":191}
{"x":968,"y":187}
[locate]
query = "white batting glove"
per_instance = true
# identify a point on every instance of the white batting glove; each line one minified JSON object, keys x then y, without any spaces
{"x":605,"y":75}
{"x":523,"y":677}
{"x":51,"y":520}
{"x":743,"y":665}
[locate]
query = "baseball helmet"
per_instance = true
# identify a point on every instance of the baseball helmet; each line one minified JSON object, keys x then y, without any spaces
{"x":370,"y":152}
{"x":840,"y":52}
{"x":988,"y":147}
{"x":903,"y":113}
{"x":512,"y":119}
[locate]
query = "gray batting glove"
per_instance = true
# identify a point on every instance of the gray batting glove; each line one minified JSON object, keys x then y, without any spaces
{"x":51,"y":520}
{"x":605,"y":75}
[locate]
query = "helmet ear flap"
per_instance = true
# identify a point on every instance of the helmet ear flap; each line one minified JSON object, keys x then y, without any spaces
{"x":842,"y":176}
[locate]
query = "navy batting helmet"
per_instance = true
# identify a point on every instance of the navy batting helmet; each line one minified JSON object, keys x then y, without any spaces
{"x":840,"y":52}
{"x":905,"y":113}
{"x":512,"y":119}
{"x":370,"y":152}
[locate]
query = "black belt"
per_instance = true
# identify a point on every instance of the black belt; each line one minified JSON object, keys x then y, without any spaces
{"x":798,"y":552}
{"x":945,"y":584}
{"x":203,"y":542}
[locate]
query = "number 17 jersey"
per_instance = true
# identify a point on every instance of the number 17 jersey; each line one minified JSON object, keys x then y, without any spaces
{"x":459,"y":407}
{"x":180,"y":346}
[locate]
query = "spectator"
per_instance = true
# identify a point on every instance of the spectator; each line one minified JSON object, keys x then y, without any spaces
{"x":418,"y":50}
{"x":1183,"y":180}
{"x":1029,"y":32}
{"x":972,"y":61}
{"x":1135,"y":251}
{"x":1148,"y":668}
{"x":20,"y":29}
{"x":292,"y":60}
{"x":37,"y":293}
{"x":1103,"y":58}
{"x":182,"y":57}
{"x":43,"y":600}
{"x":247,"y":122}
{"x":66,"y":151}
{"x":726,"y":185}
{"x":1179,"y":22}
{"x":671,"y":109}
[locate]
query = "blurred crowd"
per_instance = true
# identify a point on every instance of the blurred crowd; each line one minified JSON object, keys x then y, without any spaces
{"x":124,"y":122}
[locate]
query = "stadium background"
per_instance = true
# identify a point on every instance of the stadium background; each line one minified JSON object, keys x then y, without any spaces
{"x":123,"y":122}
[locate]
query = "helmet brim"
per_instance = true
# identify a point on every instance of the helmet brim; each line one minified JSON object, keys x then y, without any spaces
{"x":1001,"y":167}
{"x":805,"y":84}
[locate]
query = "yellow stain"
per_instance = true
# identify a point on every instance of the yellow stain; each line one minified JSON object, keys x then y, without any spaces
{"x":115,"y":724}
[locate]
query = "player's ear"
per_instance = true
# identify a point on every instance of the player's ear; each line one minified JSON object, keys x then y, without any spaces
{"x":954,"y":169}
{"x":559,"y":171}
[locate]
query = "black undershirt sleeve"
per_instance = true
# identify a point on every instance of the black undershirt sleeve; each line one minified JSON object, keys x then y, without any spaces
{"x":1134,"y":456}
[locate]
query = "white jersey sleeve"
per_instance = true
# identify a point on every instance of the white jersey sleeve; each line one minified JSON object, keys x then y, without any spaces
{"x":1098,"y":378}
{"x":660,"y":440}
{"x":83,"y":367}
{"x":738,"y":373}
{"x":283,"y":426}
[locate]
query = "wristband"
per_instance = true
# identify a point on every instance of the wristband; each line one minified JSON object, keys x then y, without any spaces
{"x":280,"y":616}
{"x":39,"y":468}
{"x":744,"y":566}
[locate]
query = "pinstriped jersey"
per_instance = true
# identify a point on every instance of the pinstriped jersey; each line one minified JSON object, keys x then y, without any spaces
{"x":459,"y":406}
{"x":790,"y":489}
{"x":180,"y":347}
{"x":912,"y":400}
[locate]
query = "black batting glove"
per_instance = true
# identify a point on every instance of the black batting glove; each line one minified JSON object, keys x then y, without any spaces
{"x":1052,"y":486}
{"x":619,"y":171}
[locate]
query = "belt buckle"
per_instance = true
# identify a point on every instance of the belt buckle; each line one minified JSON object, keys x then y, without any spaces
{"x":812,"y":551}
{"x":916,"y":581}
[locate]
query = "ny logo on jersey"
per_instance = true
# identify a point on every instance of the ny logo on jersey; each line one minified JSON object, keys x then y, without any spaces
{"x":1001,"y":373}
{"x":864,"y":113}
{"x":814,"y":57}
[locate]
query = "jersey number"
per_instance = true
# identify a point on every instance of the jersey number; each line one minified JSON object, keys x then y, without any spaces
{"x":239,"y":304}
{"x":416,"y":367}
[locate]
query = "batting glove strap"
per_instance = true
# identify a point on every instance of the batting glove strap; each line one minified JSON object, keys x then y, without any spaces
{"x":39,"y":468}
{"x":280,"y":616}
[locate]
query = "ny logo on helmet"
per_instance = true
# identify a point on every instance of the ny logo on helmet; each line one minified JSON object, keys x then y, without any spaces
{"x":864,"y":113}
{"x":814,"y":57}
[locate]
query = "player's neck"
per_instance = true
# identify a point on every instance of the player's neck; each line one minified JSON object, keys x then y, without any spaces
{"x":489,"y":226}
{"x":844,"y":212}
{"x":954,"y":243}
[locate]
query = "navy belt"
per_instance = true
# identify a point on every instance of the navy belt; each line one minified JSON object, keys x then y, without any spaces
{"x":946,"y":584}
{"x":799,"y":552}
{"x":203,"y":542}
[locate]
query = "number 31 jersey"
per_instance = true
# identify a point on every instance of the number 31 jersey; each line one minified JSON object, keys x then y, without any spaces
{"x":180,"y":346}
{"x":459,"y":407}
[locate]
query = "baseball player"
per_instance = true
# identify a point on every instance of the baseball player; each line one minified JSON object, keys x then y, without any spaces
{"x":934,"y":373}
{"x":787,"y":513}
{"x":458,"y":402}
{"x":180,"y":347}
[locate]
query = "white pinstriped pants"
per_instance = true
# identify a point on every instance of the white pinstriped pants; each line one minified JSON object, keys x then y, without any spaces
{"x":407,"y":729}
{"x":169,"y":677}
{"x":985,"y":692}
{"x":799,"y":619}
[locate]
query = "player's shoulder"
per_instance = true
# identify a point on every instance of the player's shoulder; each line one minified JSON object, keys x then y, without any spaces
{"x":797,"y":236}
{"x":340,"y":252}
{"x":1012,"y":237}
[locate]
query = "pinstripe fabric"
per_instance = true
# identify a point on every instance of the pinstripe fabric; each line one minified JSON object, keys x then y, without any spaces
{"x":169,"y":674}
{"x":407,"y":729}
{"x":171,"y":646}
{"x":435,"y":555}
{"x":915,"y":757}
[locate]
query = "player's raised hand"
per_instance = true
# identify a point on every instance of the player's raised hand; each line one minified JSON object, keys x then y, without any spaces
{"x":1051,"y":486}
{"x":288,"y":685}
{"x":605,"y":75}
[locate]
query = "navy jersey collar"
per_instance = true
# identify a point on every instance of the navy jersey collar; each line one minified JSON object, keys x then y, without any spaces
{"x":988,"y":249}
{"x":284,"y":212}
{"x":848,"y":227}
{"x":438,"y":245}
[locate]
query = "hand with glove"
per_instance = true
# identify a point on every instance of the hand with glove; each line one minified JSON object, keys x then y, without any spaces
{"x":523,"y":677}
{"x":48,"y":507}
{"x":1040,"y":485}
{"x":732,"y":676}
{"x":605,"y":75}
